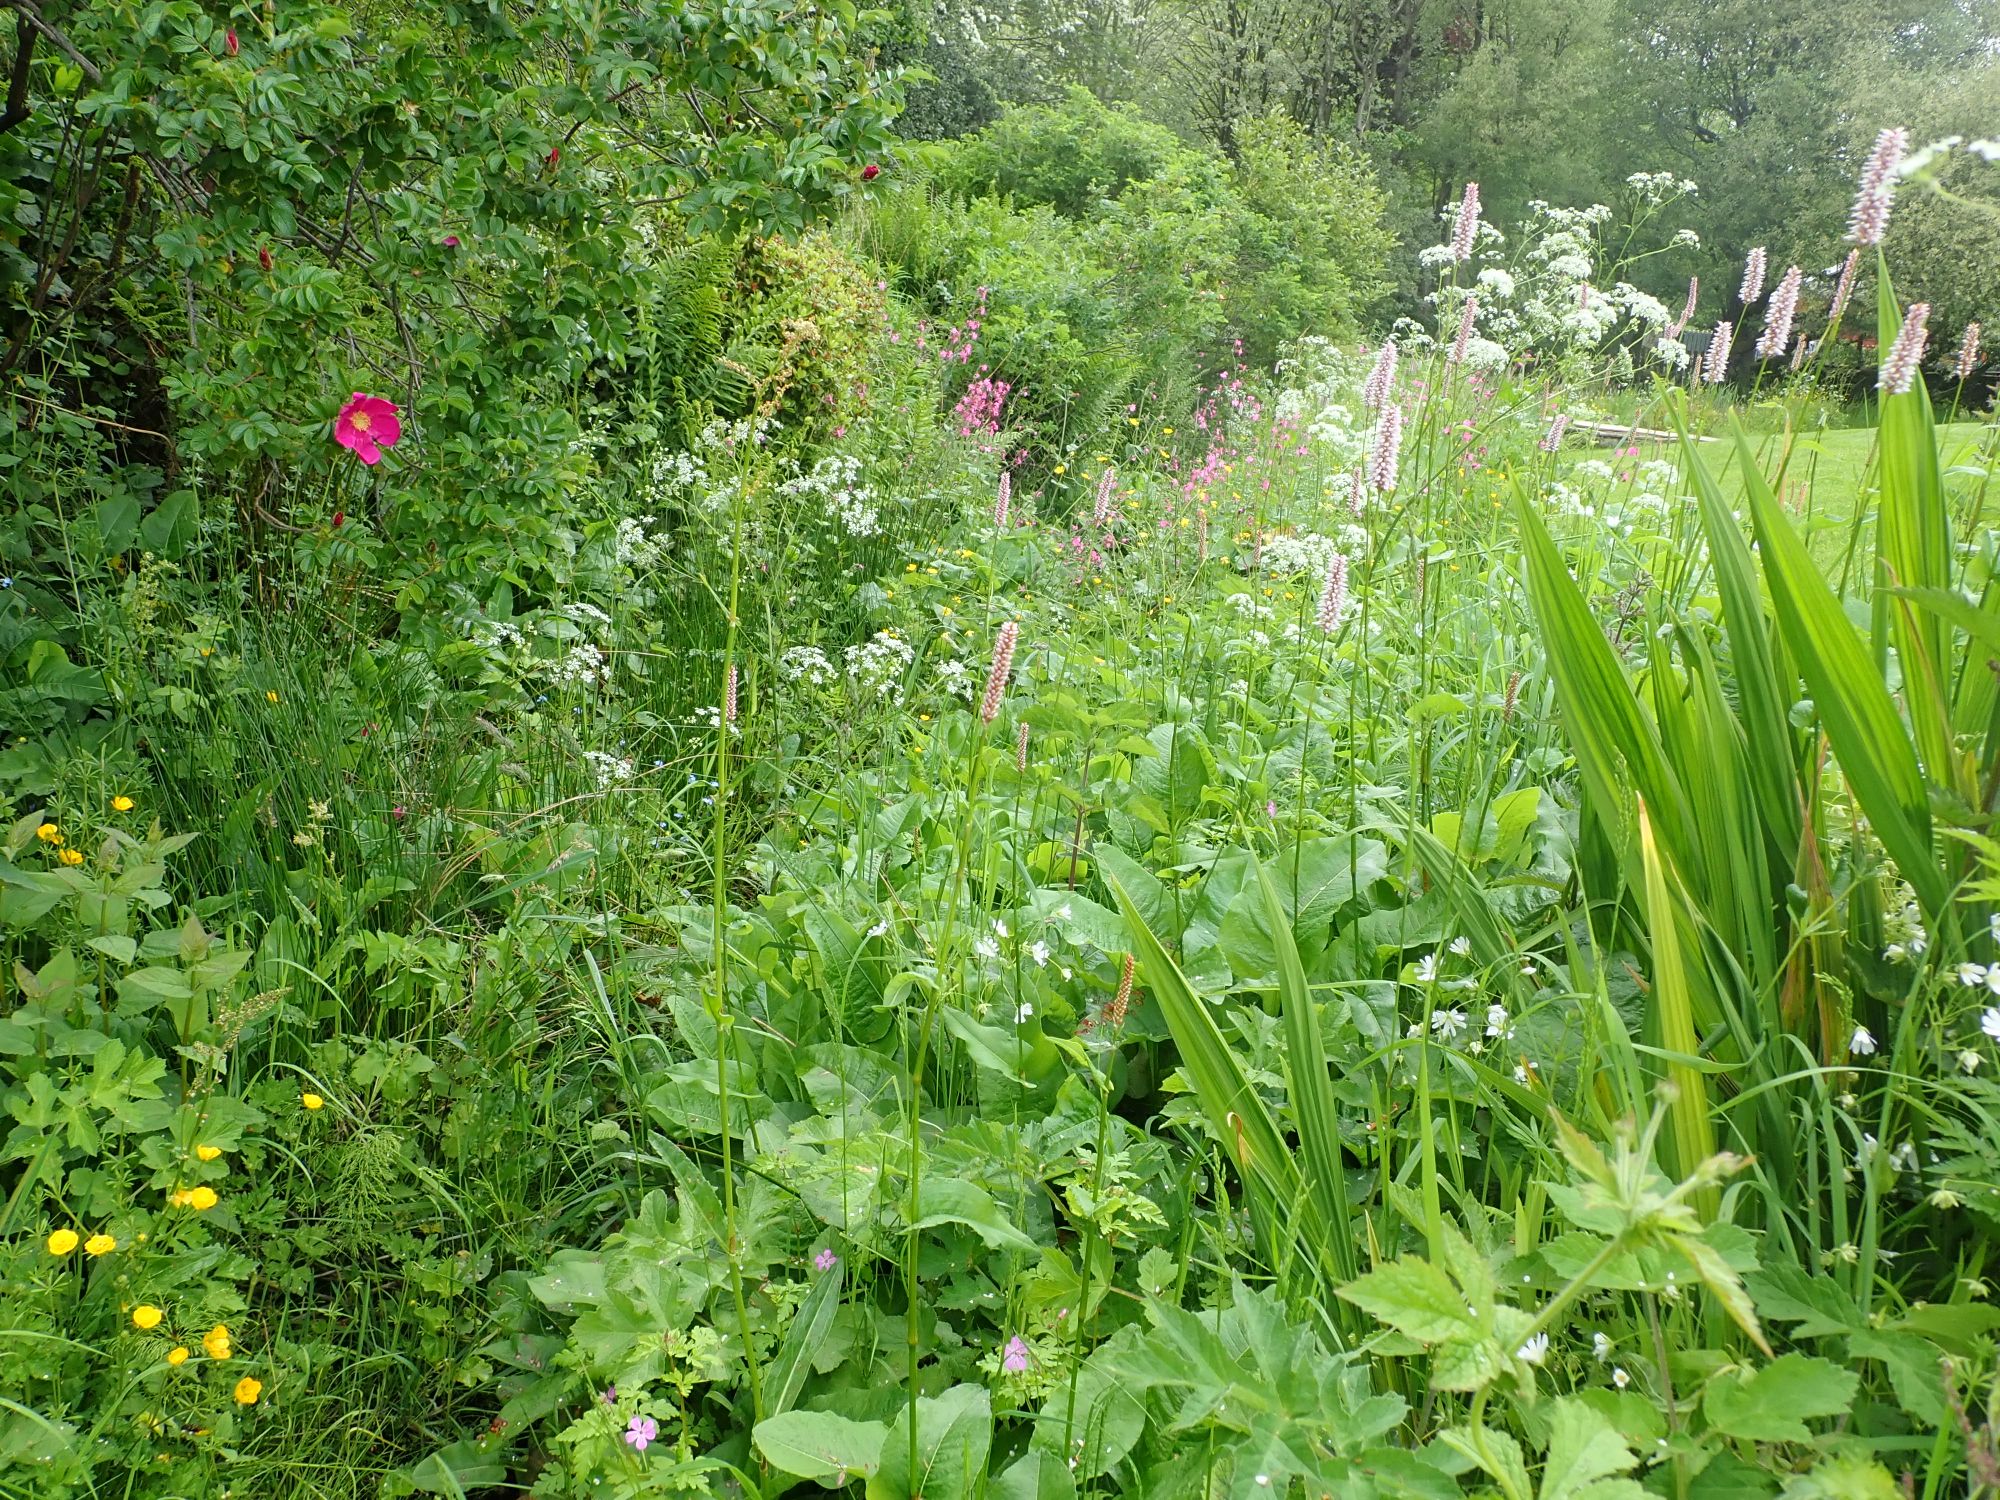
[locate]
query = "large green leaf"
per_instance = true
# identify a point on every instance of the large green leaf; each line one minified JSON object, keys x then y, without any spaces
{"x":821,"y":1445}
{"x":954,"y":1432}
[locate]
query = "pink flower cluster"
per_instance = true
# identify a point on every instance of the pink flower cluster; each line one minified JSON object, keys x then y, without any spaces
{"x":978,"y":410}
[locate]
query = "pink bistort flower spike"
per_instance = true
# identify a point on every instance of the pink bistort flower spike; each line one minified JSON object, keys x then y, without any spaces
{"x":1375,"y":389}
{"x":1753,"y":277}
{"x":1333,"y":597}
{"x":1844,"y":288}
{"x":1105,"y":486}
{"x":1466,"y":226}
{"x":1463,"y":341}
{"x":1388,"y":443}
{"x":1715,"y":367}
{"x":1777,"y":335}
{"x":1554,"y":440}
{"x":1006,"y":499}
{"x":1899,"y":365}
{"x":1869,"y":219}
{"x":1003,"y":667}
{"x":1968,"y":353}
{"x":366,"y":425}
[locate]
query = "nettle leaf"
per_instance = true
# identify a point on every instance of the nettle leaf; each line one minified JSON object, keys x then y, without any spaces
{"x":1770,"y":1405}
{"x":1492,"y":1452}
{"x":1413,"y":1297}
{"x":944,"y":1200}
{"x":821,"y":1445}
{"x":1584,"y":1450}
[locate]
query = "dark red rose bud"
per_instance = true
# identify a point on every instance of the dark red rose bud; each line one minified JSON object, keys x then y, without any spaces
{"x":870,"y":172}
{"x":555,"y":155}
{"x":339,"y":518}
{"x":229,"y":41}
{"x":264,"y":256}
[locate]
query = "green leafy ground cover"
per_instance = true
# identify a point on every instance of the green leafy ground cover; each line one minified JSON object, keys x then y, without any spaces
{"x":871,"y":863}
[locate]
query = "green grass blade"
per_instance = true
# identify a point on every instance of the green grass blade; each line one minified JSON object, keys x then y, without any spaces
{"x":1236,"y":1112}
{"x":1689,"y":1126}
{"x":1315,"y":1114}
{"x":1617,"y":750}
{"x":1764,"y":696}
{"x":1867,"y":735}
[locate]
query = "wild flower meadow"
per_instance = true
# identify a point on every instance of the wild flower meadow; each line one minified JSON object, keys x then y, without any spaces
{"x":841,"y":835}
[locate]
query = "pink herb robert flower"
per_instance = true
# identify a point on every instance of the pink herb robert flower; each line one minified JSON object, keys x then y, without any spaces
{"x":366,"y":425}
{"x":1014,"y":1358}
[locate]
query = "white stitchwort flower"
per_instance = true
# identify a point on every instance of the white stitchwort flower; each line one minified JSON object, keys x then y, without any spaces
{"x":1601,"y":1347}
{"x":1989,"y":1021}
{"x":1862,"y":1043}
{"x":1535,"y":1350}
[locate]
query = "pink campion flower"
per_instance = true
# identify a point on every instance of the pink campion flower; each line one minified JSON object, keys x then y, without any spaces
{"x":1715,"y":367}
{"x":1105,"y":486}
{"x":1554,"y":440}
{"x":1014,"y":1358}
{"x":1002,"y":669}
{"x":1844,"y":288}
{"x":1753,"y":277}
{"x":1968,"y":353}
{"x":1899,"y":366}
{"x":1778,"y":315}
{"x":1388,"y":443}
{"x":1869,"y":219}
{"x":825,"y":1260}
{"x":1466,"y":226}
{"x":1005,"y":500}
{"x":1463,"y":341}
{"x":1333,"y":597}
{"x":1375,"y":389}
{"x":367,"y":425}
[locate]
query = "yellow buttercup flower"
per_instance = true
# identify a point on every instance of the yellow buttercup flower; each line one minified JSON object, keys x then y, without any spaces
{"x":202,"y":1198}
{"x":146,"y":1316}
{"x":48,"y":833}
{"x":271,"y":696}
{"x":178,"y":1355}
{"x":216,"y":1342}
{"x":311,"y":1101}
{"x":62,"y":1242}
{"x":248,"y":1390}
{"x":71,"y":856}
{"x":99,"y":1244}
{"x":122,"y":804}
{"x":207,"y":1152}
